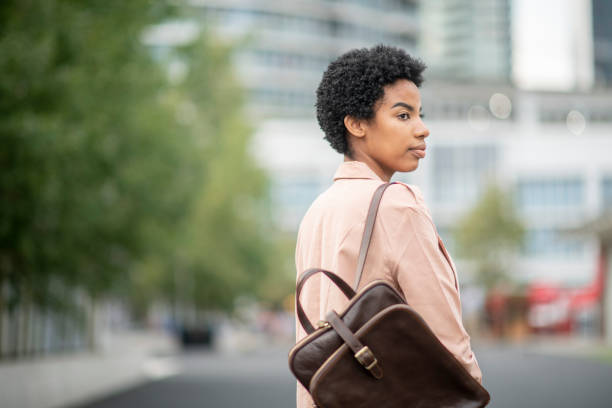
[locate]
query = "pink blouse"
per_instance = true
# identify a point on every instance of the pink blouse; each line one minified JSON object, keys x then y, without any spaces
{"x":405,"y":251}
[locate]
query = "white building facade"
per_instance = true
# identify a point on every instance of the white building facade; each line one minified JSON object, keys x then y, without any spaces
{"x":551,"y":152}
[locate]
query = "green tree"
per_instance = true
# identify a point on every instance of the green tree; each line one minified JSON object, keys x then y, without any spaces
{"x":90,"y":162}
{"x":226,"y":246}
{"x":489,"y":235}
{"x":115,"y":179}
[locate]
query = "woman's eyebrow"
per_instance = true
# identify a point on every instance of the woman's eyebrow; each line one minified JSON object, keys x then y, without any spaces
{"x":405,"y":105}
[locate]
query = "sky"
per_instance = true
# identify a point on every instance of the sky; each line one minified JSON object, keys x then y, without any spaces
{"x":552,"y":44}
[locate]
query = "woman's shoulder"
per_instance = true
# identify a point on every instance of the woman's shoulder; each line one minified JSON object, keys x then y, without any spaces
{"x":404,"y":208}
{"x":403,"y":195}
{"x":342,"y":202}
{"x":321,"y":206}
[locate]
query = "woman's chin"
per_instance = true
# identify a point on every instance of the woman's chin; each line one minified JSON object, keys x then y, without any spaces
{"x":408,"y":167}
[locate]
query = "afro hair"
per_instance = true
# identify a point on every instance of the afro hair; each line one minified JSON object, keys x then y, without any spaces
{"x":353,"y":84}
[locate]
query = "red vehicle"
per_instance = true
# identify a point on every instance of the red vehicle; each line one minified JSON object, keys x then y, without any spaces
{"x":555,"y":309}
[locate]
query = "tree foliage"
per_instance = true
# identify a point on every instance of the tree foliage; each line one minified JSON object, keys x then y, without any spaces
{"x":489,"y":235}
{"x":114,"y":178}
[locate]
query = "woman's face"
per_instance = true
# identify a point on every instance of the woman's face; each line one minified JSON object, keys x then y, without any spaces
{"x":395,"y":139}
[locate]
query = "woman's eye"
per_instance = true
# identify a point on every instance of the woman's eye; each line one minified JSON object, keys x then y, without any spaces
{"x":403,"y":116}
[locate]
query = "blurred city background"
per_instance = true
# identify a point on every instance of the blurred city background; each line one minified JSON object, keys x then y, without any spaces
{"x":157,"y":157}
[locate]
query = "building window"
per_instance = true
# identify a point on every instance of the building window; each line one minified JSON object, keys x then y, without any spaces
{"x":460,"y":173}
{"x":606,"y":193}
{"x":293,"y":197}
{"x":547,"y":243}
{"x":550,"y":194}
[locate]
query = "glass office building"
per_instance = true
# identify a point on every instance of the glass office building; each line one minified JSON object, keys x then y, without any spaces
{"x":467,"y":39}
{"x":286,"y":46}
{"x":602,"y":42}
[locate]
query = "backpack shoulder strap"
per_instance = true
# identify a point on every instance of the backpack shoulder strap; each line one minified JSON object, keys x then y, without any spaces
{"x":367,"y":232}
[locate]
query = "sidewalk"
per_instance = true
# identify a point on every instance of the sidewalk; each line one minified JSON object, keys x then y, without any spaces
{"x":563,"y":346}
{"x":124,"y":360}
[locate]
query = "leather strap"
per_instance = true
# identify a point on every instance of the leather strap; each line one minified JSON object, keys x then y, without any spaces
{"x":367,"y":232}
{"x":362,"y":353}
{"x":338,"y":281}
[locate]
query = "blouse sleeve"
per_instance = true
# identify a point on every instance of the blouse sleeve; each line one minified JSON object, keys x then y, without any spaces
{"x":426,"y":278}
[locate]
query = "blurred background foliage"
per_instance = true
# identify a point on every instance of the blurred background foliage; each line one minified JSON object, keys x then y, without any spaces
{"x":490,"y":235}
{"x":116,"y":179}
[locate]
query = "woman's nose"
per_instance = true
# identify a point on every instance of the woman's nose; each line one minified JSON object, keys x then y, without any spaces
{"x":423,"y":131}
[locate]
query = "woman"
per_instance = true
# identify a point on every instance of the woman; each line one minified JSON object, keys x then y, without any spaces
{"x":369,"y":107}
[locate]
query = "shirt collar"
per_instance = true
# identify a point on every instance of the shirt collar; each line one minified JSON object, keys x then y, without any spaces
{"x":355,"y":170}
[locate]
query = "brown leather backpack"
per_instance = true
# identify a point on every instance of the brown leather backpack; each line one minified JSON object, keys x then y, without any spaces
{"x":379,"y":352}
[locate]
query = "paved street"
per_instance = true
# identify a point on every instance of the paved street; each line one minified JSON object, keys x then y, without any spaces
{"x":216,"y":380}
{"x":516,"y":377}
{"x":519,"y":377}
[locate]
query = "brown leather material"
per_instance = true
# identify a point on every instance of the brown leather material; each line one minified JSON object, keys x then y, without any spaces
{"x":367,"y":231}
{"x":310,"y":353}
{"x":422,"y":372}
{"x":418,"y":369}
{"x":344,"y":287}
{"x":362,"y":353}
{"x":344,"y":332}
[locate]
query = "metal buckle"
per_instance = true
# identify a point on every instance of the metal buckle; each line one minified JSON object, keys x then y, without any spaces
{"x":366,"y":358}
{"x":323,"y":324}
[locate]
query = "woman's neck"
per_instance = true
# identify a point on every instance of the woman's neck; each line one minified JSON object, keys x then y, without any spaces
{"x":371,"y":163}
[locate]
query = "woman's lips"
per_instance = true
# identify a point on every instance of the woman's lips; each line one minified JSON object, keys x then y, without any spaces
{"x":419,"y":153}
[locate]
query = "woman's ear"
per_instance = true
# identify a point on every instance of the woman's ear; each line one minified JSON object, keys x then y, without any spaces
{"x":355,"y":127}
